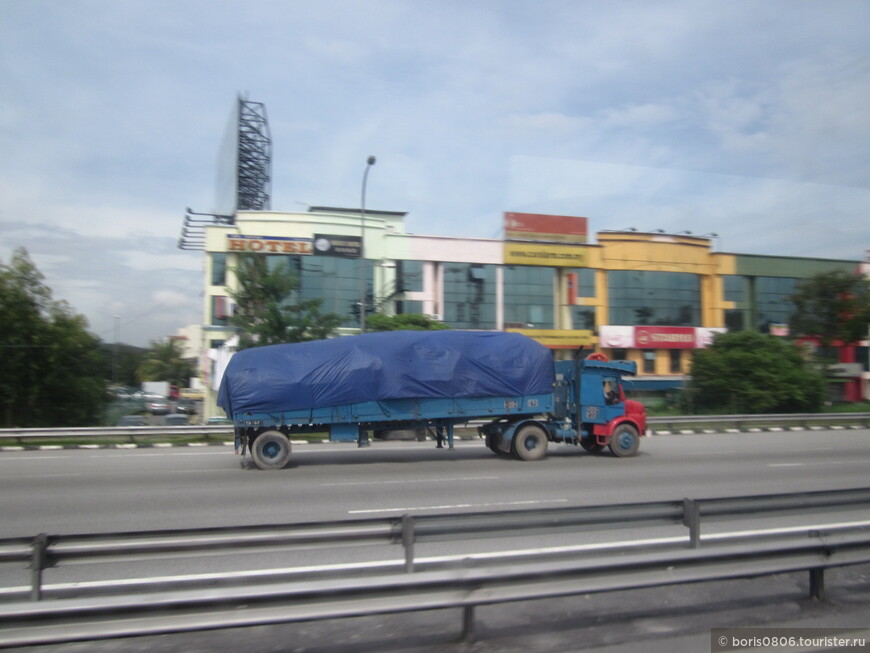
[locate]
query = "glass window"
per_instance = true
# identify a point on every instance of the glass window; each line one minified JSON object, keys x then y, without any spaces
{"x":585,"y":282}
{"x":583,"y":317}
{"x":409,"y":276}
{"x":333,"y":280}
{"x":676,"y":360}
{"x":735,"y":320}
{"x":469,"y":296}
{"x":219,"y":269}
{"x":649,"y":362}
{"x":405,"y":307}
{"x":528,"y":296}
{"x":638,"y":297}
{"x":734,"y":287}
{"x":772,"y":301}
{"x":220,"y":311}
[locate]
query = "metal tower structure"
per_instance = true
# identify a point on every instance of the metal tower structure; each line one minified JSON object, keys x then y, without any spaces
{"x":245,"y":173}
{"x":254,"y":162}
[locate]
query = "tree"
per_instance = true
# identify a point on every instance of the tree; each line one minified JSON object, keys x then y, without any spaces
{"x":407,"y":322}
{"x":832,"y":306}
{"x":749,"y":372}
{"x":50,"y":366}
{"x":265,"y":309}
{"x":164,"y":362}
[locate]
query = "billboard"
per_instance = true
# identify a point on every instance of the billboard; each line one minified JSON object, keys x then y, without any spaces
{"x":545,"y":228}
{"x":269,"y":244}
{"x":559,"y":338}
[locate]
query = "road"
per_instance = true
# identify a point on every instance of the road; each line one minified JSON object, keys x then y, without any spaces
{"x":76,"y":491}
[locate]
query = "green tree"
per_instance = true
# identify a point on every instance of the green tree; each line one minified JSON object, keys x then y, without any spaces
{"x":749,"y":372}
{"x":50,"y":366}
{"x":408,"y":322}
{"x":832,"y":306}
{"x":164,"y":362}
{"x":267,"y":311}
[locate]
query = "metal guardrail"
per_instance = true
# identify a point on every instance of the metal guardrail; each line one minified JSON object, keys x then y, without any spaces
{"x":197,"y":610}
{"x":175,"y":610}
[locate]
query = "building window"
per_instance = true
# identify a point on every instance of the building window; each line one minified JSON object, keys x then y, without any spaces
{"x":583,"y":318}
{"x":220,"y":310}
{"x":469,"y":295}
{"x":409,"y":276}
{"x":585,"y":282}
{"x":640,"y":297}
{"x":219,"y":269}
{"x":528,"y":296}
{"x":773,"y":301}
{"x":676,"y":360}
{"x":734,"y":288}
{"x":735,"y":320}
{"x":619,"y":354}
{"x":649,"y":362}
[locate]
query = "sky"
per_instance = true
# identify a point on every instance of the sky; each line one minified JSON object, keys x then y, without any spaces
{"x":748,"y":118}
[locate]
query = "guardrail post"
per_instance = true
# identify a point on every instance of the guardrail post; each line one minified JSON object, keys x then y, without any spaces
{"x":467,"y":623}
{"x":817,"y":583}
{"x":408,"y":538}
{"x":692,"y":519}
{"x":38,"y":562}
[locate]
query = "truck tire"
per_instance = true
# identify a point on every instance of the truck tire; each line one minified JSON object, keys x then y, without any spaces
{"x":271,"y":450}
{"x":530,"y":443}
{"x":625,"y":441}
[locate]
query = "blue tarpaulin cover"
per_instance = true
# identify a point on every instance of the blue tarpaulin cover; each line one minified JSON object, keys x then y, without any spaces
{"x":387,"y":365}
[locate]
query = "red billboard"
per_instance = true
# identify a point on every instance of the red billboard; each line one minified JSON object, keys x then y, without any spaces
{"x":547,"y":228}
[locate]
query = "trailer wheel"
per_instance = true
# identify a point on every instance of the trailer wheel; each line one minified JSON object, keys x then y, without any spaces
{"x":625,"y":441}
{"x":530,"y":443}
{"x":271,"y":450}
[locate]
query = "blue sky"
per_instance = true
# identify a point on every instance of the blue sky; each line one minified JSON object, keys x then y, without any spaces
{"x":746,"y":118}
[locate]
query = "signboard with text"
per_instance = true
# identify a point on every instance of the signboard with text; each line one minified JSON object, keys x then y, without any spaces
{"x":559,"y":338}
{"x":269,"y":244}
{"x":334,"y":245}
{"x":565,"y":256}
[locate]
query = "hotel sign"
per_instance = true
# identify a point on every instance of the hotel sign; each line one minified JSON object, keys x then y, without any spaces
{"x":566,"y":256}
{"x":269,"y":244}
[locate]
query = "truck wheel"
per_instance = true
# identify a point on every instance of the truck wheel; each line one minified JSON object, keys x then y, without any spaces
{"x":530,"y":443}
{"x":625,"y":441}
{"x":271,"y":450}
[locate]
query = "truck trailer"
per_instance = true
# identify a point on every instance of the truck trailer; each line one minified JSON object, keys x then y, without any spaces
{"x":349,"y":386}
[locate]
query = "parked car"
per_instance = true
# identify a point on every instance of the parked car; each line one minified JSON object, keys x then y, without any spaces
{"x":176,"y":420}
{"x":132,"y":420}
{"x":157,"y":406}
{"x":186,"y":406}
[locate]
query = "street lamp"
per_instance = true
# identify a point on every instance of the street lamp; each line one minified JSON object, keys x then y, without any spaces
{"x":362,"y":248}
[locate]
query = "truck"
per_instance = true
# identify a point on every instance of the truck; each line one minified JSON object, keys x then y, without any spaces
{"x":436,"y":380}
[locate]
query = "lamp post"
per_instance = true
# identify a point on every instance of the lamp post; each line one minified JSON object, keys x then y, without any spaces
{"x":362,"y":248}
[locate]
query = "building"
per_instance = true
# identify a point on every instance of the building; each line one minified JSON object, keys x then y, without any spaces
{"x":652,"y":298}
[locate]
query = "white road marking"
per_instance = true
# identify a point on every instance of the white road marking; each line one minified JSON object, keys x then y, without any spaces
{"x":454,"y":506}
{"x":414,"y":480}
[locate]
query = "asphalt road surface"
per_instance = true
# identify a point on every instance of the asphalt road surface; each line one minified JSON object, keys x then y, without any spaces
{"x":78,"y":491}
